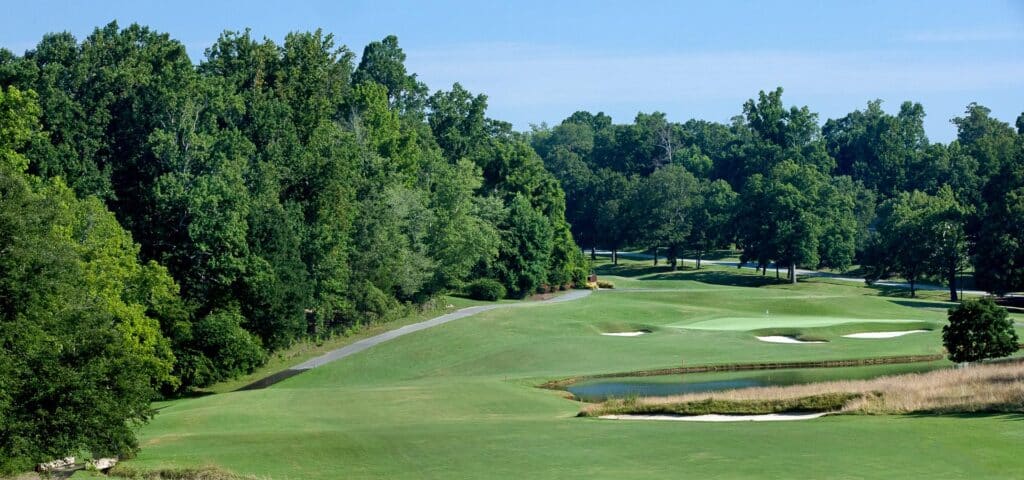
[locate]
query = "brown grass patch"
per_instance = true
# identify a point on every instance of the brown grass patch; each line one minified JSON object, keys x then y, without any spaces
{"x":997,"y":387}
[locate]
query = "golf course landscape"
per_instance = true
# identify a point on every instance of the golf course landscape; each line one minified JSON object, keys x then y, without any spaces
{"x":529,"y":240}
{"x":460,"y":400}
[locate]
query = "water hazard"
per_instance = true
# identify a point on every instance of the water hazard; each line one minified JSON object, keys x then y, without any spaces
{"x":605,"y":388}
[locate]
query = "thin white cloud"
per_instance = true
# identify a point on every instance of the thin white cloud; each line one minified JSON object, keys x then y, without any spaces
{"x":965,"y":36}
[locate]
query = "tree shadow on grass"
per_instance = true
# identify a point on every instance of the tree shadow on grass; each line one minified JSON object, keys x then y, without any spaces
{"x":716,"y":277}
{"x":633,"y":271}
{"x":923,"y":304}
{"x":891,"y":291}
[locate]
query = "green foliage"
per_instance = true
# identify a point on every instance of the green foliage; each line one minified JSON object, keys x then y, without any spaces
{"x":917,"y":235}
{"x":288,"y":191}
{"x":485,"y":289}
{"x":525,"y":249}
{"x":80,"y":358}
{"x":979,"y":329}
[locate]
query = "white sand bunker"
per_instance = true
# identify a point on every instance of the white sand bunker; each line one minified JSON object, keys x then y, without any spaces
{"x":626,"y":334}
{"x":770,"y":417}
{"x":783,"y":339}
{"x":883,"y":334}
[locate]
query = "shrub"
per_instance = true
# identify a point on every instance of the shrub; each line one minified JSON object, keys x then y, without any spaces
{"x":485,"y":289}
{"x":979,"y":329}
{"x":605,"y":284}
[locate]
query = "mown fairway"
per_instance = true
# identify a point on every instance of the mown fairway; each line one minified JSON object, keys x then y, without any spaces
{"x":458,"y":401}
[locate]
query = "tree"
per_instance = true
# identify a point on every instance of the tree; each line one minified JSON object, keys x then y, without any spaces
{"x":665,"y":209}
{"x":918,"y":235}
{"x":712,"y":215}
{"x":525,"y":249}
{"x":80,"y":358}
{"x":384,"y":62}
{"x":979,"y":329}
{"x":617,"y":214}
{"x":999,"y":248}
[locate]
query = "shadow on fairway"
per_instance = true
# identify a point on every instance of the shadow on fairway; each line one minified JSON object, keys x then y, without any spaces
{"x":188,"y":394}
{"x":717,"y":277}
{"x":923,"y":304}
{"x":889,"y":291}
{"x":271,"y":379}
{"x":633,"y":271}
{"x":712,"y":277}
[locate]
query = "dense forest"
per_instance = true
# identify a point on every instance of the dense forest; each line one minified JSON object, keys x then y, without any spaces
{"x":164,"y":225}
{"x":866,"y":189}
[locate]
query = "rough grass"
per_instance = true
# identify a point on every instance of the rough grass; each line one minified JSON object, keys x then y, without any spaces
{"x":203,"y":473}
{"x":827,"y":402}
{"x":990,"y":388}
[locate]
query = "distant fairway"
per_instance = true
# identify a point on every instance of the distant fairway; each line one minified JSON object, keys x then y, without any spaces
{"x":458,"y":400}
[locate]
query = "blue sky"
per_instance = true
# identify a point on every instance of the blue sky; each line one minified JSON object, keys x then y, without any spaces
{"x":540,"y":61}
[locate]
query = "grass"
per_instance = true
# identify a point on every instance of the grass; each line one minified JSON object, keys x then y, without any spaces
{"x":308,"y":349}
{"x":979,"y":388}
{"x":458,"y":400}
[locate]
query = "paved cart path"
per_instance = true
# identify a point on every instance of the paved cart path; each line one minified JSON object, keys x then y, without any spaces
{"x":354,"y":348}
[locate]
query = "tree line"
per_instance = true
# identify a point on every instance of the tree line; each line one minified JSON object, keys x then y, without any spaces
{"x":868,"y":188}
{"x":164,"y":224}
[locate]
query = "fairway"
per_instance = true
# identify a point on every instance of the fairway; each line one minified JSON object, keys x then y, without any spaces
{"x":459,"y":400}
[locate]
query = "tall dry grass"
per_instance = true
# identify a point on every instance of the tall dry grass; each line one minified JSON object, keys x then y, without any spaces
{"x":976,"y":388}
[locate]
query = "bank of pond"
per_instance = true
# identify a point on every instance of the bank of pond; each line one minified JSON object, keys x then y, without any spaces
{"x":599,"y":390}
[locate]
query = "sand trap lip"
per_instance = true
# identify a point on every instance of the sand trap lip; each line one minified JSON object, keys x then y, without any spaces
{"x":770,"y":417}
{"x":883,"y":334}
{"x":626,"y":334}
{"x":783,"y":339}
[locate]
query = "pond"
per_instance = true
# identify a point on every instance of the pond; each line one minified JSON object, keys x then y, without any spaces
{"x":605,"y":388}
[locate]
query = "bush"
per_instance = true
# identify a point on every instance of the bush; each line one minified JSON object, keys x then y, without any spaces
{"x":979,"y":329}
{"x":485,"y":289}
{"x":605,"y":284}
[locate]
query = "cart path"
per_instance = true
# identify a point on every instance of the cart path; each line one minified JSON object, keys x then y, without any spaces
{"x":356,"y":347}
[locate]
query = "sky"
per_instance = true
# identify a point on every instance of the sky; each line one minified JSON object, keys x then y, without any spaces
{"x":539,"y":61}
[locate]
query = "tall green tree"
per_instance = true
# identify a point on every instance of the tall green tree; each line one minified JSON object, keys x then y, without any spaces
{"x":919,"y":235}
{"x":80,"y":359}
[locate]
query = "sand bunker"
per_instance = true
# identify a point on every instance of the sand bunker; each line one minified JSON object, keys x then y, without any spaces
{"x":626,"y":334}
{"x":882,"y":334}
{"x":771,"y":417}
{"x":783,"y":339}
